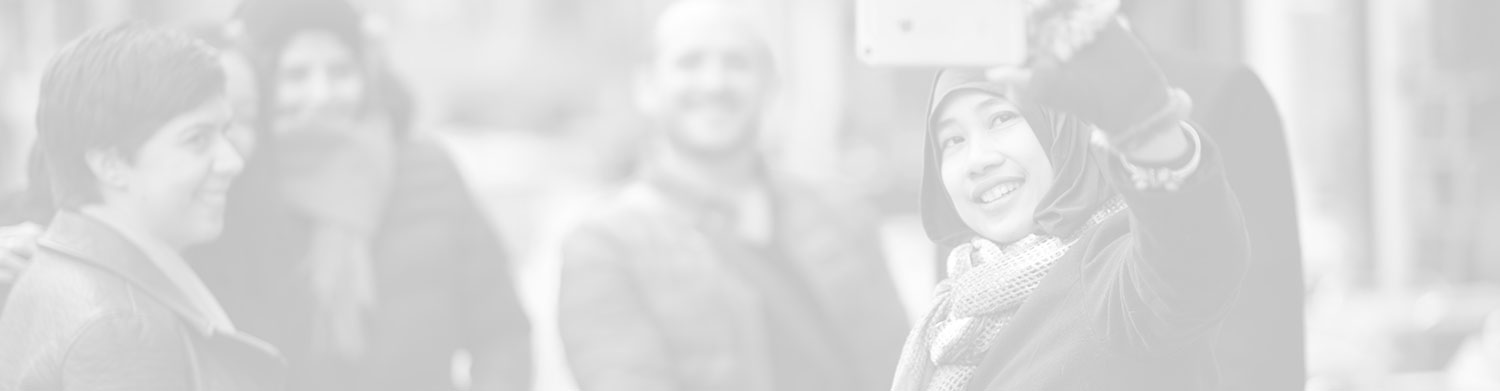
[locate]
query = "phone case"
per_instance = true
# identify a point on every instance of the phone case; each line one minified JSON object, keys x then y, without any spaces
{"x":941,"y":33}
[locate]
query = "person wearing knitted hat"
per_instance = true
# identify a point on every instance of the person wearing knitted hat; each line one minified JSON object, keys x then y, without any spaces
{"x":375,"y":266}
{"x":1093,"y":240}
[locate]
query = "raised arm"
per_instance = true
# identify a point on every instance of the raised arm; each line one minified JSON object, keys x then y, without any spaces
{"x":1184,"y":257}
{"x":1177,"y":268}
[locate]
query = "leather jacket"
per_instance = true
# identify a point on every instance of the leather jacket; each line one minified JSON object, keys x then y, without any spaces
{"x":94,"y":312}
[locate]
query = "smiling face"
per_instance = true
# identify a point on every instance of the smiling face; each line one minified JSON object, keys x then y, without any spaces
{"x":175,"y":184}
{"x":317,"y":78}
{"x":710,"y":75}
{"x":993,"y":167}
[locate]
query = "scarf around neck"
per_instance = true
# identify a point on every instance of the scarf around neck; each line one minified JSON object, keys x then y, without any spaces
{"x":985,"y":287}
{"x":338,"y":177}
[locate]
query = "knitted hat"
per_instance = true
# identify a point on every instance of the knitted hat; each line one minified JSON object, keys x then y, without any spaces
{"x":271,"y":24}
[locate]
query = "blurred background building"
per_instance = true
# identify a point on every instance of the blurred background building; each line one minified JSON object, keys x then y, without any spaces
{"x":1390,"y":107}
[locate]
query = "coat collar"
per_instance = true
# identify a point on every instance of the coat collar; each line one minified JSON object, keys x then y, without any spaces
{"x":96,"y":243}
{"x":702,"y":200}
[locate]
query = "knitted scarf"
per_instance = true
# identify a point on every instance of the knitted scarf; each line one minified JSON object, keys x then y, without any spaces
{"x":339,"y":177}
{"x":985,"y":286}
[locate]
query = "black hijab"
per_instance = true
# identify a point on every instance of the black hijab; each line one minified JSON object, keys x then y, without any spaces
{"x":1079,"y":189}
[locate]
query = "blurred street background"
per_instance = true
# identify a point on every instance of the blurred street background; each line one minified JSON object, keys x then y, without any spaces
{"x":1392,"y":111}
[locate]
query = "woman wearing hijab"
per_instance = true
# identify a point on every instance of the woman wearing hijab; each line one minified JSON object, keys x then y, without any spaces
{"x":1095,"y":244}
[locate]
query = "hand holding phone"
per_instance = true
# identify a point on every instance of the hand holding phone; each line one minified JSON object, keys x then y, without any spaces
{"x":941,"y":33}
{"x":977,"y":33}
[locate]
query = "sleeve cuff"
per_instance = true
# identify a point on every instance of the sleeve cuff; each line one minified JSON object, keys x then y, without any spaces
{"x":1169,"y":177}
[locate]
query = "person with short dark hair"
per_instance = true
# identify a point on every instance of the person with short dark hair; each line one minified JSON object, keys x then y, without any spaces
{"x":24,"y":213}
{"x":131,"y":128}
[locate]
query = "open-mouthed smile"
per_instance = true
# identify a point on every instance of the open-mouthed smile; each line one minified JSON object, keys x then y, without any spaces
{"x":997,"y":190}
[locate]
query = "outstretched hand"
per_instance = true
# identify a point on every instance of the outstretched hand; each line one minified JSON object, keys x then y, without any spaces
{"x":1085,"y":62}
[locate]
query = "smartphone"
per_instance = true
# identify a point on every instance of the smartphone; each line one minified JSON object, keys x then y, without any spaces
{"x":941,"y":33}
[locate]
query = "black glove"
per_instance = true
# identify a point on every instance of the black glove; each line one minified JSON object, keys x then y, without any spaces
{"x":1111,"y":82}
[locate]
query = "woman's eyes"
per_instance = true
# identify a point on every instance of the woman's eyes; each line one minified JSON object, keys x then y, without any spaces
{"x":952,"y":141}
{"x":197,"y":140}
{"x":202,"y":137}
{"x":998,"y":121}
{"x":1003,"y":119}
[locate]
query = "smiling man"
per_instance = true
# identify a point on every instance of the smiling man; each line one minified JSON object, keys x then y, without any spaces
{"x":709,"y":271}
{"x":131,"y":126}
